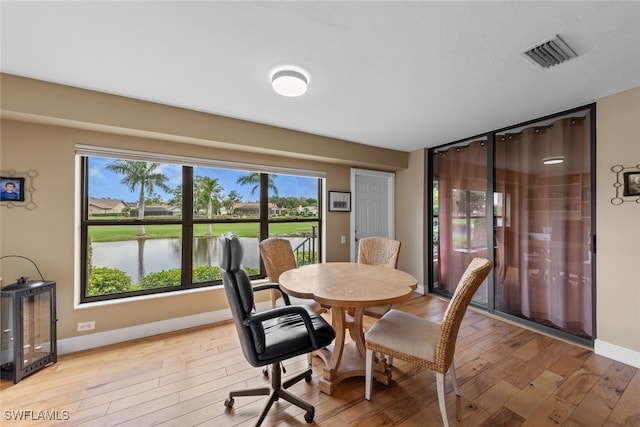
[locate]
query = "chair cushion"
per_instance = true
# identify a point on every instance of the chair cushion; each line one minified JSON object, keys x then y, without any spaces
{"x":377,"y":311}
{"x":288,"y":336}
{"x":405,"y":333}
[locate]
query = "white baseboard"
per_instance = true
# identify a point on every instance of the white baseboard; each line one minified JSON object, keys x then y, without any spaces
{"x":99,"y":339}
{"x":615,"y":352}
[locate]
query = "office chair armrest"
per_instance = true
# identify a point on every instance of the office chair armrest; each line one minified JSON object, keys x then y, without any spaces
{"x":300,"y":310}
{"x":274,"y":286}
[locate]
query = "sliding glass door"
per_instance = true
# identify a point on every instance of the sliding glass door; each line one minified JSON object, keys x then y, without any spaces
{"x":460,"y":213}
{"x":544,"y":258}
{"x":523,"y":197}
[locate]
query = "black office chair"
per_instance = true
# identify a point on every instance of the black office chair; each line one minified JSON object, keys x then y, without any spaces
{"x":271,"y":336}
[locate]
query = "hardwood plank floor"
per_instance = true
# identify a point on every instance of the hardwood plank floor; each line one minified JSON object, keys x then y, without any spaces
{"x":508,"y":375}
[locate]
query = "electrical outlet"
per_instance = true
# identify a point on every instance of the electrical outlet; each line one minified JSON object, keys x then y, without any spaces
{"x":86,"y":326}
{"x":343,"y":239}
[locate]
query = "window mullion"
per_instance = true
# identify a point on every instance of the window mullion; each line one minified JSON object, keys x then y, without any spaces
{"x":187,"y":225}
{"x":84,"y":229}
{"x":264,"y":206}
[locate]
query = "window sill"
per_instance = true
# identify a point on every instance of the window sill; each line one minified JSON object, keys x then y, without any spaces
{"x":117,"y":301}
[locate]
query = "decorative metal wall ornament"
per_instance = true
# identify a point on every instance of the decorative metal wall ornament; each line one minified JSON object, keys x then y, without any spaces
{"x":627,"y":184}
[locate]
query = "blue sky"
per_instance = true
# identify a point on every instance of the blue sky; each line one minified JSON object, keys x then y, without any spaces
{"x":106,"y":184}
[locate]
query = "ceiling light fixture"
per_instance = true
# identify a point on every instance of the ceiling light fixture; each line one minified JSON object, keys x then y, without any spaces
{"x":553,"y":160}
{"x":289,"y":82}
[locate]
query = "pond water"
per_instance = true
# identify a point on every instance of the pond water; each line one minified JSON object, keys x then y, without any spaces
{"x":138,"y":258}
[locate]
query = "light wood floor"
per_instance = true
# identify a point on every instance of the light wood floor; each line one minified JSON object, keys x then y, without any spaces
{"x":509,"y":376}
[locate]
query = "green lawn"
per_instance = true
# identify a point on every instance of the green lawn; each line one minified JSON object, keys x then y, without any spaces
{"x":115,"y":233}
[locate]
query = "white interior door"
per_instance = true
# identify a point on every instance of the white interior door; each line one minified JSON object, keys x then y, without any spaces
{"x":372,"y":213}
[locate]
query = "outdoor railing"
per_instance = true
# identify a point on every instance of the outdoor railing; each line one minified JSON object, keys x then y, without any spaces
{"x":305,"y":252}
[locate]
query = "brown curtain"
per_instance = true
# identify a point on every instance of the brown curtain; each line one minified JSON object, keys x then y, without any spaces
{"x":458,"y":169}
{"x":543,"y":254}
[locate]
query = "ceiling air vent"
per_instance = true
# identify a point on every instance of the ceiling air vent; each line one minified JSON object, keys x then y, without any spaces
{"x":552,"y":52}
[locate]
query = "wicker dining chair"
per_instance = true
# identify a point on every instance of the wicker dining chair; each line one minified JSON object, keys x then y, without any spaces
{"x":425,"y":343}
{"x":378,"y":251}
{"x":278,"y":257}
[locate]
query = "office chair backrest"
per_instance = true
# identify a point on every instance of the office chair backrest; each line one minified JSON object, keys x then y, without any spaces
{"x":239,"y":292}
{"x":474,"y":275}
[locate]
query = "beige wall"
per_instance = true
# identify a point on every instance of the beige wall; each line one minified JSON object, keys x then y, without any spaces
{"x":42,"y":123}
{"x":617,"y":227}
{"x":410,"y":215}
{"x":40,"y":102}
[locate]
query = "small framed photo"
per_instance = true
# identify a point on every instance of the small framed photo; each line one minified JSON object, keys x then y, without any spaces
{"x":631,"y":184}
{"x":11,"y":189}
{"x":339,"y":201}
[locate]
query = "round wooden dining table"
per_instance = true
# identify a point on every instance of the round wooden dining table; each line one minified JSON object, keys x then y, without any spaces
{"x":347,"y":289}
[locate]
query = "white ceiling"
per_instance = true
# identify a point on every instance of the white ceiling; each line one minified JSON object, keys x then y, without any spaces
{"x":394,"y":74}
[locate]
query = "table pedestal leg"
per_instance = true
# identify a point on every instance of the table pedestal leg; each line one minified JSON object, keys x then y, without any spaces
{"x":347,"y":360}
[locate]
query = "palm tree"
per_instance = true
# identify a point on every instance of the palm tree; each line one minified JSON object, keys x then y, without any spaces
{"x":232,"y":198}
{"x":141,"y":174}
{"x":254,"y":179}
{"x":176,"y":197}
{"x":207,"y":192}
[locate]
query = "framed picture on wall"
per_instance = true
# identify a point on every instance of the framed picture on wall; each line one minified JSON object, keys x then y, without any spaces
{"x":11,"y":189}
{"x":339,"y":201}
{"x":631,"y":184}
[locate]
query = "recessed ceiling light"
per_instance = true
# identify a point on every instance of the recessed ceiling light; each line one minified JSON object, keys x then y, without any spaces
{"x":553,"y":160}
{"x":289,"y":82}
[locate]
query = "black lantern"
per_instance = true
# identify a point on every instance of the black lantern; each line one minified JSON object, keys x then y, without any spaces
{"x":28,"y":341}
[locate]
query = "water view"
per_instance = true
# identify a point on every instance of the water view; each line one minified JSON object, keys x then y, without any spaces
{"x":138,"y":258}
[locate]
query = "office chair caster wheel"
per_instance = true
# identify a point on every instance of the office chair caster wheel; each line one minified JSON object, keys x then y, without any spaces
{"x":228,"y":402}
{"x":308,"y":417}
{"x":307,"y":378}
{"x":265,"y":372}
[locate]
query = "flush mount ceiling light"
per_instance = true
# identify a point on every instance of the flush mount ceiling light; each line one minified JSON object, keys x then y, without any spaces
{"x":289,"y":82}
{"x":553,"y":160}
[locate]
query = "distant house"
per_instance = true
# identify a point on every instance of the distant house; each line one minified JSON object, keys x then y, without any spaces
{"x":106,"y":206}
{"x":157,"y":210}
{"x":307,"y":209}
{"x":253,"y":209}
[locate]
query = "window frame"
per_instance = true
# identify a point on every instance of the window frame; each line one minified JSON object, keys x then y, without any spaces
{"x":187,"y":219}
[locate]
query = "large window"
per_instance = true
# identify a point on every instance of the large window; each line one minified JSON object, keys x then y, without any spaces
{"x":152,"y":226}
